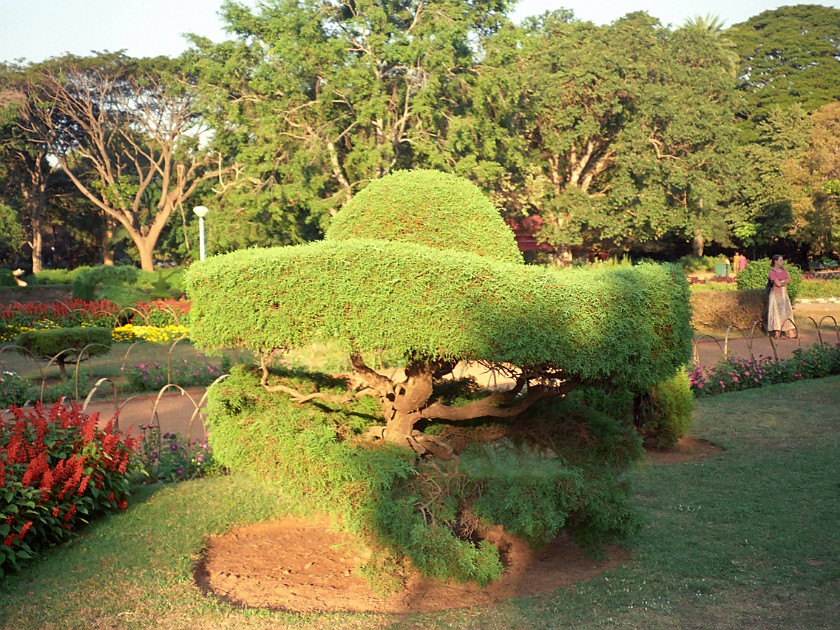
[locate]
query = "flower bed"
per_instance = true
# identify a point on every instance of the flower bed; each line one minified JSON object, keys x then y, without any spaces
{"x":736,"y":373}
{"x":57,"y":471}
{"x":159,"y":321}
{"x":152,"y":376}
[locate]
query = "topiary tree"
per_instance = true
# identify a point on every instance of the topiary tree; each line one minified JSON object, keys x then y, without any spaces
{"x":418,"y":264}
{"x":65,"y":344}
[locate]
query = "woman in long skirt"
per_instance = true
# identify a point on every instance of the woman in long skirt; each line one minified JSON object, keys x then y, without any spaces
{"x":779,"y":309}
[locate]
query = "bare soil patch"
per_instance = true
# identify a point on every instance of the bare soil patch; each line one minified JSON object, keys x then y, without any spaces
{"x":687,"y":450}
{"x":300,"y":565}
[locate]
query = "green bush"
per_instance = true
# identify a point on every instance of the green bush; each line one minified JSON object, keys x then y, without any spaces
{"x":664,"y":415}
{"x":428,"y":207}
{"x":755,"y":274}
{"x":7,"y":279}
{"x":58,"y":276}
{"x":86,"y":280}
{"x":49,"y":343}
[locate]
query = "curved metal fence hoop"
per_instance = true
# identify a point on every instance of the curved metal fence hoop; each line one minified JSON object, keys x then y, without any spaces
{"x":836,"y":328}
{"x":747,"y":340}
{"x":51,"y":361}
{"x":134,"y":311}
{"x":696,"y":343}
{"x":18,"y":349}
{"x":93,"y":390}
{"x":169,"y":359}
{"x":79,"y":362}
{"x":817,"y":327}
{"x":197,"y":409}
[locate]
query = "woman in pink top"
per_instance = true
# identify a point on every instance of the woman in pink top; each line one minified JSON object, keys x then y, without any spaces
{"x":779,"y":309}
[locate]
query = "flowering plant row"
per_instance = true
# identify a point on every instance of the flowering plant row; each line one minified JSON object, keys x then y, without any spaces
{"x":152,"y":376}
{"x":736,"y":373}
{"x":57,"y":471}
{"x":159,"y":321}
{"x":170,"y":457}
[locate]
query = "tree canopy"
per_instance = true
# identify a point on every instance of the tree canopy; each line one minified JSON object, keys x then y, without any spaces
{"x":789,"y":55}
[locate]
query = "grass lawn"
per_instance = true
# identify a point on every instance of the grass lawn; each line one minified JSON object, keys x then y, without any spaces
{"x":749,"y":539}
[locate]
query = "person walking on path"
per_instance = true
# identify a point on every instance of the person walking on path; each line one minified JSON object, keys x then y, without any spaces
{"x":779,"y":309}
{"x":741,"y":263}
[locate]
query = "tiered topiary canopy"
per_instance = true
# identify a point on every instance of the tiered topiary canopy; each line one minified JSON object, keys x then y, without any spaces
{"x":421,"y":263}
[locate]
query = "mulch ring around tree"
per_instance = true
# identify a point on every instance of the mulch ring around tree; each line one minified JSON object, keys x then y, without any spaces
{"x":301,"y":565}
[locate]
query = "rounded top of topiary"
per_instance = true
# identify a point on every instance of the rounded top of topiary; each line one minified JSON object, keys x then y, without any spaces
{"x":432,"y":208}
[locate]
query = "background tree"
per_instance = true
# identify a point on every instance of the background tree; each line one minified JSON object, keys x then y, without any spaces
{"x":816,"y":215}
{"x":789,"y":55}
{"x":24,"y":168}
{"x":317,"y":99}
{"x":127,"y":135}
{"x":618,"y":135}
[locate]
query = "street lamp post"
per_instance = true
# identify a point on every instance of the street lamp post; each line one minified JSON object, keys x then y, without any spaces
{"x":201,"y":212}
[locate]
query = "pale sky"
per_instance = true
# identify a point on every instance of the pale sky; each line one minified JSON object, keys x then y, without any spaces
{"x":38,"y":29}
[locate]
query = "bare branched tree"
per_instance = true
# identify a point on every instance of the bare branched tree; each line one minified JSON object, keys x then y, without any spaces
{"x":128,"y":136}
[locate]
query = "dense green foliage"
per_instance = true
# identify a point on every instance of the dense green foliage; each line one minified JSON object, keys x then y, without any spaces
{"x":86,"y":280}
{"x":755,"y":276}
{"x":427,"y":207}
{"x":664,"y":415}
{"x":788,"y":56}
{"x":629,"y":325}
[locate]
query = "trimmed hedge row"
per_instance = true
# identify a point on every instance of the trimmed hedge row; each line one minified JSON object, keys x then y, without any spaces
{"x":629,"y":325}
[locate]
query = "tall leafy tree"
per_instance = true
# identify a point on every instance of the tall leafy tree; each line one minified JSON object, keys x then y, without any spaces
{"x":620,"y":134}
{"x":127,"y":135}
{"x":788,"y":55}
{"x":812,"y":176}
{"x":319,"y":98}
{"x":24,"y":169}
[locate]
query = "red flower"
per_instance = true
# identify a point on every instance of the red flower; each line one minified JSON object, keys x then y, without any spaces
{"x":123,"y":504}
{"x":10,"y":539}
{"x":24,"y":529}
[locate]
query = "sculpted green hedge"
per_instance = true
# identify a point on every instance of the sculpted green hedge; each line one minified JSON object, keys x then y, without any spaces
{"x":628,"y":326}
{"x":436,"y":209}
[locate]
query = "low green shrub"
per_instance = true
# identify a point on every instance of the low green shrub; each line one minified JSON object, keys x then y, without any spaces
{"x":57,"y":276}
{"x":170,"y":457}
{"x":86,"y":280}
{"x":755,"y":274}
{"x":57,"y":472}
{"x":52,"y":343}
{"x":663,"y":416}
{"x":820,"y":288}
